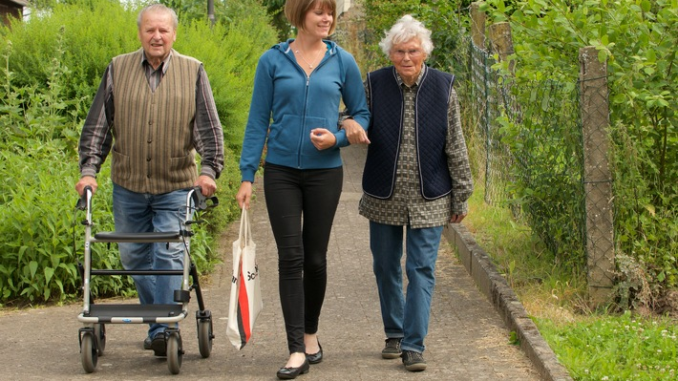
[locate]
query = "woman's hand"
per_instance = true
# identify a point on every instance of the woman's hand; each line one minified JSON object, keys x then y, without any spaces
{"x":457,"y":218}
{"x":244,"y":195}
{"x":322,"y":138}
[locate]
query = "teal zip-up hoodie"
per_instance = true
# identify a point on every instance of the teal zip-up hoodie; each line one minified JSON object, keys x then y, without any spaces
{"x":287,"y":104}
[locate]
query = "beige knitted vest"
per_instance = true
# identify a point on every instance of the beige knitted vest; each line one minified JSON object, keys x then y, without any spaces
{"x":153,"y":148}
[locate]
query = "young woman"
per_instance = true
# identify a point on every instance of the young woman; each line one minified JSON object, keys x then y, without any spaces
{"x":298,"y":87}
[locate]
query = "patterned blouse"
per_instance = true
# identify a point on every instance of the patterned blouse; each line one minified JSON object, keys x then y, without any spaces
{"x":407,"y":206}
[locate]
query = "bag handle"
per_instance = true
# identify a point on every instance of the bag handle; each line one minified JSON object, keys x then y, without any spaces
{"x":245,"y":229}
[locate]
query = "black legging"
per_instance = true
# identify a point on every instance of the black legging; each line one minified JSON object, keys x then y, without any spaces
{"x":301,"y":206}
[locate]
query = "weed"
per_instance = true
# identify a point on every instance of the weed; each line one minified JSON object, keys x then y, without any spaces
{"x":513,"y":338}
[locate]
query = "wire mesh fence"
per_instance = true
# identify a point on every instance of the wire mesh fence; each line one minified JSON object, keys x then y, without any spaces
{"x":544,"y":154}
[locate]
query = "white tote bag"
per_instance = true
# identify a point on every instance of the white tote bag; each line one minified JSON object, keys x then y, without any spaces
{"x":245,"y":303}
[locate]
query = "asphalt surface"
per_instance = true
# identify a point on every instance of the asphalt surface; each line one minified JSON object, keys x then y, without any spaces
{"x":469,"y":337}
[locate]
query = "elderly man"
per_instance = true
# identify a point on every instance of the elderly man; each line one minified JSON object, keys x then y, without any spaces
{"x":417,"y":176}
{"x":154,"y":109}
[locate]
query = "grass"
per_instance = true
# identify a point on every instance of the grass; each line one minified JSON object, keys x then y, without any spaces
{"x":618,"y":348}
{"x":590,"y":344}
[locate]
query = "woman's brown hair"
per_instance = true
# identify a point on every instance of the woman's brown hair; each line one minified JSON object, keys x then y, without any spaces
{"x":295,"y":11}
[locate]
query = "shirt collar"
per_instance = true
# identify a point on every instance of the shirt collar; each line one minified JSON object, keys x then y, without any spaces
{"x":416,"y":83}
{"x":165,"y":62}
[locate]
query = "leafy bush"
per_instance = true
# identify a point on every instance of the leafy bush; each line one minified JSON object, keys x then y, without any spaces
{"x":229,"y":53}
{"x":543,"y":179}
{"x":36,"y":244}
{"x":638,"y":40}
{"x":72,"y":34}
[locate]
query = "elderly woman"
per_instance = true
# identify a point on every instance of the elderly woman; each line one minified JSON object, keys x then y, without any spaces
{"x":416,"y":179}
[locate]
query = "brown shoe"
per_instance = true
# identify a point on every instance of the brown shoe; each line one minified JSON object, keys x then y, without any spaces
{"x":392,"y":348}
{"x":413,"y":361}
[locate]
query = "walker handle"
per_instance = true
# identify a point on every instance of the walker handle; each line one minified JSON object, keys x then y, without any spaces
{"x":201,"y":202}
{"x":82,"y":202}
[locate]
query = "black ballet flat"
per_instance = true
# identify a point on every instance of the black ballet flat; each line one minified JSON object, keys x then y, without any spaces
{"x":292,"y":373}
{"x":315,"y":358}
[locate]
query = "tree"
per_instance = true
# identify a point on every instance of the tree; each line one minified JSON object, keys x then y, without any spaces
{"x":276,"y":10}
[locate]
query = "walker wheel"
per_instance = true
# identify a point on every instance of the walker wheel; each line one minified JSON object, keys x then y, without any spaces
{"x":100,"y":338}
{"x":205,"y":337}
{"x":88,"y":352}
{"x":174,"y":352}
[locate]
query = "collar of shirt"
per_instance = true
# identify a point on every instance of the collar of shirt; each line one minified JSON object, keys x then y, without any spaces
{"x":416,"y":83}
{"x":165,"y":62}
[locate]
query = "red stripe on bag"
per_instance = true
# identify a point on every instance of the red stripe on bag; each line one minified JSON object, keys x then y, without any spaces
{"x":243,"y":309}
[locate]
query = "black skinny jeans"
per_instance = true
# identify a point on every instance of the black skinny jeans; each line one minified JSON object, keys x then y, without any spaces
{"x":301,"y":206}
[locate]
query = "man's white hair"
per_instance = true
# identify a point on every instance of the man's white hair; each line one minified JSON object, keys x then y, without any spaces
{"x":159,"y":8}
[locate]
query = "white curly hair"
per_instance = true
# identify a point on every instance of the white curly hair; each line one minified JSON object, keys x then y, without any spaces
{"x":404,"y":30}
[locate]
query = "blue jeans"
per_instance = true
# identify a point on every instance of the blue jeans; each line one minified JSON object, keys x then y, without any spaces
{"x":405,"y":316}
{"x":142,"y":212}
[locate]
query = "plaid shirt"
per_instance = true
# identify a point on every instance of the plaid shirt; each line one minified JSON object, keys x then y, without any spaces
{"x":407,"y":206}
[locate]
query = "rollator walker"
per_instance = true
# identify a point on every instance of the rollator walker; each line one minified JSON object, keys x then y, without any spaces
{"x":92,"y":336}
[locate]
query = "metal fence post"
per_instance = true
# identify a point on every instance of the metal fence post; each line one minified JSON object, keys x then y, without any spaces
{"x":597,"y":177}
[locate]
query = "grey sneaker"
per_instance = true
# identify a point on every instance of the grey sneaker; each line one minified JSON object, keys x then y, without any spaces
{"x":392,"y":348}
{"x":413,"y":361}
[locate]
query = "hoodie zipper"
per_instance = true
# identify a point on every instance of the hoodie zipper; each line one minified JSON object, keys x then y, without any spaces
{"x":308,"y":83}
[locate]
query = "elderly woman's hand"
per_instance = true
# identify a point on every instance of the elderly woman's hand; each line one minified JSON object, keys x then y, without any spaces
{"x":457,"y":218}
{"x":355,"y":132}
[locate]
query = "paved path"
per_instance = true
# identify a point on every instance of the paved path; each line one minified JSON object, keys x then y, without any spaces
{"x":468,"y":340}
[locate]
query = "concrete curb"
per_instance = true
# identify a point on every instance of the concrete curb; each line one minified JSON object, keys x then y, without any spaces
{"x":479,"y":265}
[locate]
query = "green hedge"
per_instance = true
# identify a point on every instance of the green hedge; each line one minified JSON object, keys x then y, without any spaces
{"x":638,"y":40}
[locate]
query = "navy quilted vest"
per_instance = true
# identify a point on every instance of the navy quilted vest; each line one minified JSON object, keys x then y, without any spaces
{"x":385,"y":132}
